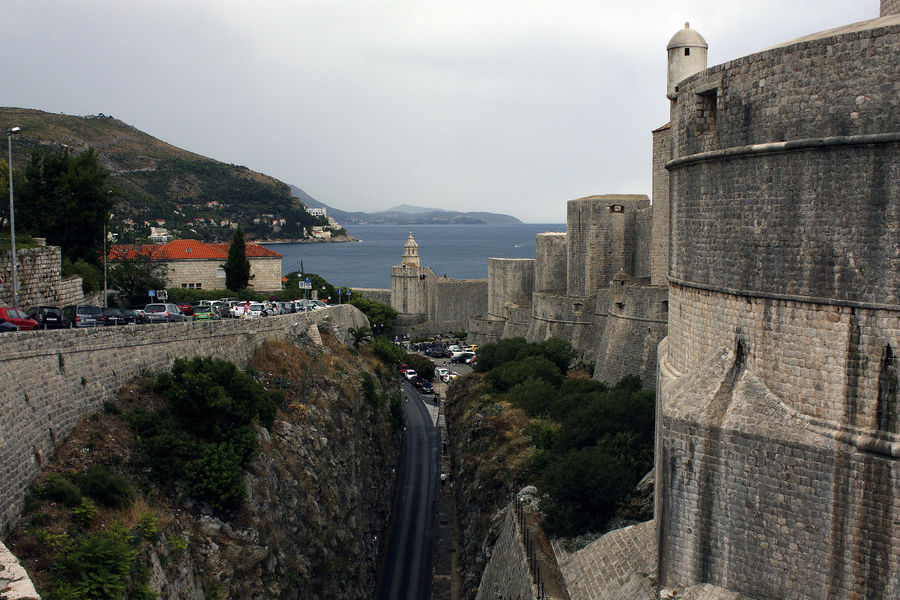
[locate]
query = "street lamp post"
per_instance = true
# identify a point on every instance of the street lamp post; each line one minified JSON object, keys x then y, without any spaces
{"x":12,"y":220}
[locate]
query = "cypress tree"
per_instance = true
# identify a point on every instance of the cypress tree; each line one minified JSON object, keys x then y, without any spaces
{"x":237,"y":267}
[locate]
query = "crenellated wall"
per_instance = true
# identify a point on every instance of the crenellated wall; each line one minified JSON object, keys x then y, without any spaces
{"x":53,"y":379}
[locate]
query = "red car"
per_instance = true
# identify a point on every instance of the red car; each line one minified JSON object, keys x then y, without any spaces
{"x":187,"y":308}
{"x":18,"y":317}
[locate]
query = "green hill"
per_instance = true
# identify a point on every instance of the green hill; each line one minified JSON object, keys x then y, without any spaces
{"x":194,"y":195}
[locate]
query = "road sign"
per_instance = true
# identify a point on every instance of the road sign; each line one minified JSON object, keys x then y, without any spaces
{"x":151,"y":293}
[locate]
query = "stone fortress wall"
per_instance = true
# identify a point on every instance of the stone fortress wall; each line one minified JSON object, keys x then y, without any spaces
{"x":428,"y":304}
{"x":40,"y":280}
{"x":591,"y":286}
{"x":53,"y":379}
{"x":778,"y":443}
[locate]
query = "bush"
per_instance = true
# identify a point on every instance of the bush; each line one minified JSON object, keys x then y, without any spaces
{"x":423,"y":366}
{"x":91,"y":275}
{"x":398,"y":413}
{"x":534,"y":367}
{"x":107,"y":487}
{"x":204,"y":435}
{"x":215,"y":477}
{"x":61,"y":488}
{"x":95,"y":569}
{"x":388,"y":352}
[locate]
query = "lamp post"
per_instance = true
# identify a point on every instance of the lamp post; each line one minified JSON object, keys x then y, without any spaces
{"x":12,"y":220}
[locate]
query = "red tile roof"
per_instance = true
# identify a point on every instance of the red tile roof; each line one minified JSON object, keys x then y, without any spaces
{"x":186,"y":250}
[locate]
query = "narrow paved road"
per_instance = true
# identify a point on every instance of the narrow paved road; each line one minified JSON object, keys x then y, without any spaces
{"x":407,"y":569}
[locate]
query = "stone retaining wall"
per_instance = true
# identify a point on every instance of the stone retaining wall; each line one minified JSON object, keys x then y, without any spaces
{"x":506,"y":576}
{"x":40,"y":282}
{"x":51,"y":380}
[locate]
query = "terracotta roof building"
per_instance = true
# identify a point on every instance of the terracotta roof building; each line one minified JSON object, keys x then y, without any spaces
{"x":197,"y":265}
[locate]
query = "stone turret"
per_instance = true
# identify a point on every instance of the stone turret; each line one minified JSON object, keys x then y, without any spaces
{"x":687,"y":55}
{"x":890,"y":7}
{"x":410,"y":252}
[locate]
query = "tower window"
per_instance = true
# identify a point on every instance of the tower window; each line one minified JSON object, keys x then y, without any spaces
{"x":707,"y":105}
{"x":687,"y":51}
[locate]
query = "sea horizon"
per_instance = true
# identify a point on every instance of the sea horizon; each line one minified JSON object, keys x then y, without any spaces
{"x":457,"y":251}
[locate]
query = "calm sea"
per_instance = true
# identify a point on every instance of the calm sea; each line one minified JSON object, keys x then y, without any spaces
{"x":458,"y":251}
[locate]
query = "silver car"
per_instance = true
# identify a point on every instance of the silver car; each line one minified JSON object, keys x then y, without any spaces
{"x":163,"y":313}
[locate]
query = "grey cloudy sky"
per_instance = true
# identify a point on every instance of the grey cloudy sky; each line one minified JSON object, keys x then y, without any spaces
{"x":511,"y":106}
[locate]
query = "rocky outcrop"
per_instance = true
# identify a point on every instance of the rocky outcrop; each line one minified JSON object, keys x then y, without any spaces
{"x":319,"y":491}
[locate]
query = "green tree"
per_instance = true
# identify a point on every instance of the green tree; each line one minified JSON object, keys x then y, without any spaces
{"x":359,"y":334}
{"x":4,"y":190}
{"x":237,"y":267}
{"x":134,"y":275}
{"x":380,"y":315}
{"x":67,"y":200}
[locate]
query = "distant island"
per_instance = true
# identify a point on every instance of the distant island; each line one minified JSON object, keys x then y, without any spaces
{"x":405,"y":214}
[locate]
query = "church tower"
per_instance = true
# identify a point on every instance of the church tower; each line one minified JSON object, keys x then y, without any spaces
{"x":410,"y":252}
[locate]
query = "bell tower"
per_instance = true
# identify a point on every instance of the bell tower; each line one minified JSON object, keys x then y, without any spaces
{"x":410,"y":253}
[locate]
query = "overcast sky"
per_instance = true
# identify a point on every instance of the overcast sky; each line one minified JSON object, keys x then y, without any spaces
{"x":510,"y":106}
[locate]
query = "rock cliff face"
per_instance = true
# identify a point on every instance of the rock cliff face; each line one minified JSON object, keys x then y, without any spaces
{"x":318,"y":493}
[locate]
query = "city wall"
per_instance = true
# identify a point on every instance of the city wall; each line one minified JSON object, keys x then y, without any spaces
{"x":40,"y":281}
{"x":779,"y":437}
{"x":51,"y":380}
{"x":378,"y":295}
{"x":627,"y":330}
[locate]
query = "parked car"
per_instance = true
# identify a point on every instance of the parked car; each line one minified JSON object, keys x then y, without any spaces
{"x":186,"y":308}
{"x":18,"y":317}
{"x":131,"y":316}
{"x":82,"y":315}
{"x":410,"y":374}
{"x":205,"y":313}
{"x":441,"y":372}
{"x":163,"y":313}
{"x":461,"y":356}
{"x":472,"y":360}
{"x":256,"y":310}
{"x":238,"y":309}
{"x":427,"y":388}
{"x":47,"y":317}
{"x":6,"y":326}
{"x":418,"y":380}
{"x":112,"y":316}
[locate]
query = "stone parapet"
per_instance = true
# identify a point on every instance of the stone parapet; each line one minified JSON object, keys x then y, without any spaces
{"x":378,"y":295}
{"x":54,"y":379}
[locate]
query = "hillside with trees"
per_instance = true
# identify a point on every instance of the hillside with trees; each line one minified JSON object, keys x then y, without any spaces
{"x":157,"y":184}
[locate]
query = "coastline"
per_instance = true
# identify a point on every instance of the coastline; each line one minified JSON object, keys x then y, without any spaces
{"x":334,"y":240}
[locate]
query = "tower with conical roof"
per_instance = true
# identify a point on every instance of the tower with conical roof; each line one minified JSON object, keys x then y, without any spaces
{"x":687,"y":55}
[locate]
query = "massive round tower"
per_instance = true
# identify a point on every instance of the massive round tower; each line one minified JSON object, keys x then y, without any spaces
{"x":778,"y":448}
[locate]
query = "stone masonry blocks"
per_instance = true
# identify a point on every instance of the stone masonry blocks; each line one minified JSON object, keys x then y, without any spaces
{"x":54,"y":379}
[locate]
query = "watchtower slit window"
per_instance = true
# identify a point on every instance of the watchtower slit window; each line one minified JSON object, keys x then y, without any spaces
{"x":687,"y":51}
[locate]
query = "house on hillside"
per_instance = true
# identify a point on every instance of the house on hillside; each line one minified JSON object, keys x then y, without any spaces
{"x":193,"y":264}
